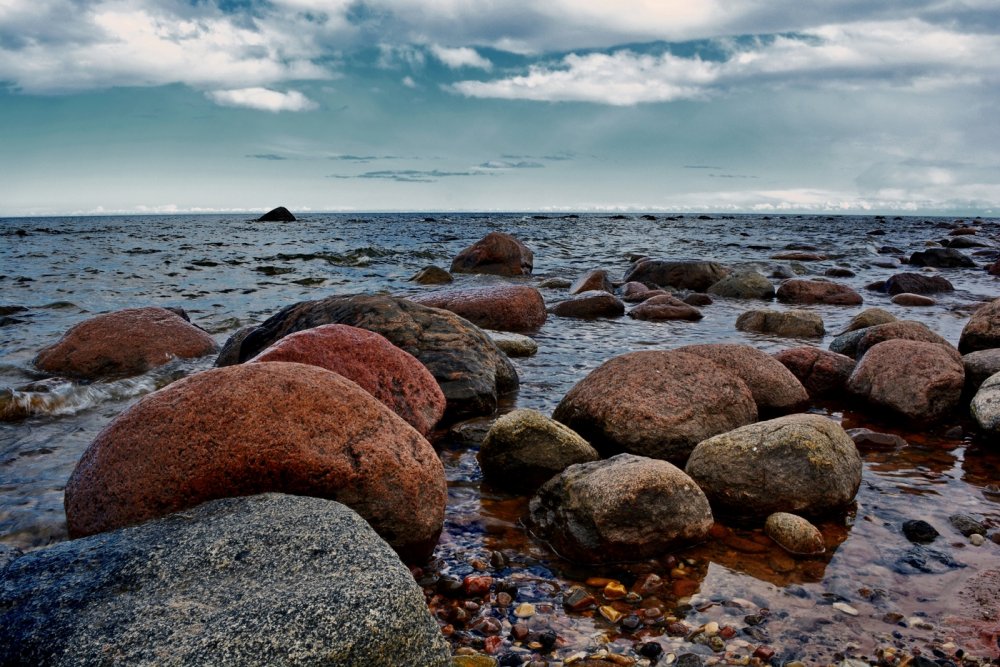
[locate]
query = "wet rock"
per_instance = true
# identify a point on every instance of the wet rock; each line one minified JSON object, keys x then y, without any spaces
{"x":802,"y":291}
{"x":256,"y":428}
{"x":979,"y":366}
{"x":822,"y":373}
{"x":917,"y":380}
{"x":788,"y":323}
{"x":431,"y":275}
{"x":496,"y":253}
{"x":512,"y":344}
{"x":866,"y":439}
{"x":625,"y":508}
{"x":985,"y":407}
{"x":392,"y":376}
{"x":698,"y":299}
{"x":839,"y":272}
{"x":280,"y":214}
{"x":967,"y":525}
{"x":524,"y":449}
{"x":743,"y":285}
{"x":591,"y":281}
{"x":8,"y":555}
{"x":655,"y":403}
{"x":804,"y":464}
{"x":869,"y":317}
{"x":899,"y":330}
{"x":692,"y":275}
{"x":590,"y":305}
{"x":982,"y":331}
{"x":774,"y":388}
{"x":467,"y":365}
{"x":794,"y":534}
{"x":634,"y":292}
{"x":262,"y":580}
{"x":230,"y":352}
{"x":968,"y":242}
{"x":919,"y":559}
{"x":941,"y":258}
{"x":919,"y":531}
{"x":554,"y":283}
{"x":907,"y":299}
{"x":799,"y":256}
{"x":963,"y":231}
{"x":661,"y":308}
{"x":501,"y":307}
{"x":124,"y":342}
{"x":917,"y":283}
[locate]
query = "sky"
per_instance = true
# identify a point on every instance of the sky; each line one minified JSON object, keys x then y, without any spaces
{"x":161,"y":106}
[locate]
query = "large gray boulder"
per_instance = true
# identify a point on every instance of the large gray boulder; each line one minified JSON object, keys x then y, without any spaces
{"x":693,"y":275}
{"x":260,"y":580}
{"x":985,"y":405}
{"x":743,"y":285}
{"x":803,"y":464}
{"x":979,"y":366}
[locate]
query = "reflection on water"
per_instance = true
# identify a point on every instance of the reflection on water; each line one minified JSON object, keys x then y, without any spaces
{"x":872,"y":588}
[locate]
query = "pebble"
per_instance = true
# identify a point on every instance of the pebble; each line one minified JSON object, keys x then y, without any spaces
{"x":610,"y":613}
{"x":711,"y":629}
{"x":614,"y":591}
{"x":846,"y":608}
{"x":525,"y":610}
{"x":919,"y":531}
{"x":578,"y":599}
{"x":966,"y":525}
{"x":977,"y":540}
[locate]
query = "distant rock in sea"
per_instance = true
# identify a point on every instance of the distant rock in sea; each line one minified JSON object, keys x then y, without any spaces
{"x":280,"y":214}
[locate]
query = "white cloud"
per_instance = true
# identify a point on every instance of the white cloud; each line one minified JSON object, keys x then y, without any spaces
{"x":409,"y":82}
{"x":460,"y":57}
{"x":262,"y":99}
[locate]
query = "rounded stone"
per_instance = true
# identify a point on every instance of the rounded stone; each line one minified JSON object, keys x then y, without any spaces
{"x":656,"y":403}
{"x":743,"y":285}
{"x":125,"y":342}
{"x":394,"y":377}
{"x":524,"y":449}
{"x":794,"y":534}
{"x":982,"y":331}
{"x":263,"y":580}
{"x":431,"y":275}
{"x":908,"y":299}
{"x":513,"y":344}
{"x":802,"y":291}
{"x":501,"y":307}
{"x":496,"y":253}
{"x":900,"y":330}
{"x":985,"y":406}
{"x":664,"y":307}
{"x":590,"y":305}
{"x":592,"y":280}
{"x":257,"y":428}
{"x":692,"y":275}
{"x":917,"y":283}
{"x":868,"y":318}
{"x":625,"y":508}
{"x":633,"y":292}
{"x":822,"y":373}
{"x":804,"y":464}
{"x":788,"y":323}
{"x":941,"y":258}
{"x":979,"y":366}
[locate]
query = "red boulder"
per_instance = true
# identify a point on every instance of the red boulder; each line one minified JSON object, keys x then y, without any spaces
{"x":501,"y":307}
{"x":497,"y":253}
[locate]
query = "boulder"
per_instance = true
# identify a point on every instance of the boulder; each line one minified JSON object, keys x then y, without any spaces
{"x":798,"y":290}
{"x":866,"y":439}
{"x":798,"y":256}
{"x":394,"y":377}
{"x":634,"y":292}
{"x":907,"y":299}
{"x":496,"y":253}
{"x":774,"y":388}
{"x":899,"y":330}
{"x":264,"y":580}
{"x":122,"y":343}
{"x":230,"y":352}
{"x":692,"y":275}
{"x":980,"y":365}
{"x":524,"y":449}
{"x":968,"y":242}
{"x":839,"y":272}
{"x":822,"y":373}
{"x":788,"y":323}
{"x":501,"y":307}
{"x":794,"y":534}
{"x":917,"y":380}
{"x":917,"y":283}
{"x":554,"y":283}
{"x":743,"y":285}
{"x":941,"y":258}
{"x":660,"y":308}
{"x":625,"y":508}
{"x":982,"y":331}
{"x":590,"y":305}
{"x":592,"y":280}
{"x":985,"y":405}
{"x":467,"y":365}
{"x":280,"y":214}
{"x":698,"y":299}
{"x":431,"y":275}
{"x":656,"y":403}
{"x":258,"y":428}
{"x":512,"y":344}
{"x":869,"y":318}
{"x":803,"y":464}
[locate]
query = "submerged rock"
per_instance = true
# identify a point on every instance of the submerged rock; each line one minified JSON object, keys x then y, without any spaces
{"x":496,"y":253}
{"x":501,"y":307}
{"x":917,"y":283}
{"x":256,"y":428}
{"x":794,"y":534}
{"x":692,"y":275}
{"x":512,"y":344}
{"x":788,"y":323}
{"x":907,"y":299}
{"x":941,"y":258}
{"x":280,"y":214}
{"x":124,"y":342}
{"x":802,"y":291}
{"x":431,"y":275}
{"x":743,"y":285}
{"x":822,"y":373}
{"x":590,"y":305}
{"x":625,"y":508}
{"x":264,"y":580}
{"x":982,"y":331}
{"x":919,"y":531}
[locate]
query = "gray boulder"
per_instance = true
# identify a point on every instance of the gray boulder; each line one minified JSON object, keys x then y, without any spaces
{"x":985,"y":405}
{"x":693,"y":275}
{"x":743,"y":285}
{"x":868,"y":317}
{"x":980,"y":365}
{"x":260,"y":580}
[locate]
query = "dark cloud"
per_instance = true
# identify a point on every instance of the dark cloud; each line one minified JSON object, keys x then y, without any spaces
{"x":507,"y":164}
{"x":411,"y":175}
{"x":267,"y":156}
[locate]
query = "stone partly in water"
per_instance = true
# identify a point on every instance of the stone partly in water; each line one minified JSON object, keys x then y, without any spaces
{"x":633,"y":292}
{"x":982,"y":331}
{"x":513,"y":344}
{"x":431,"y":275}
{"x":941,"y":258}
{"x":394,"y":377}
{"x":917,"y":283}
{"x":788,"y":323}
{"x":794,"y":534}
{"x":900,"y":330}
{"x":124,"y":342}
{"x":467,"y":365}
{"x":868,"y":317}
{"x":804,"y":464}
{"x":590,"y":305}
{"x":656,"y":403}
{"x":967,"y":525}
{"x":692,"y":275}
{"x":985,"y":405}
{"x":817,"y":291}
{"x":501,"y":307}
{"x":980,"y":365}
{"x":524,"y":449}
{"x":919,"y":531}
{"x":256,"y":428}
{"x":625,"y":508}
{"x":868,"y":440}
{"x":743,"y":285}
{"x":496,"y":253}
{"x":663,"y":308}
{"x":280,"y":214}
{"x":263,"y":580}
{"x":915,"y":380}
{"x":822,"y":373}
{"x":907,"y":299}
{"x":592,"y":280}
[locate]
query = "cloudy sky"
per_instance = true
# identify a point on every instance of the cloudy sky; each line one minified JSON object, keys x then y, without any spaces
{"x":325,"y":105}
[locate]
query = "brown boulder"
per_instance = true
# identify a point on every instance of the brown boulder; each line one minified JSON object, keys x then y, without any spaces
{"x":394,"y":377}
{"x":125,"y":342}
{"x":467,"y":365}
{"x":982,"y":331}
{"x":592,"y":280}
{"x":900,"y":330}
{"x":431,"y":275}
{"x":634,"y":292}
{"x":774,"y":388}
{"x":907,"y":299}
{"x":496,"y":253}
{"x":917,"y":283}
{"x":499,"y":307}
{"x":822,"y":373}
{"x":665,"y":307}
{"x":918,"y":380}
{"x":798,"y":290}
{"x":692,"y":275}
{"x":590,"y":305}
{"x":799,"y":256}
{"x":789,"y":323}
{"x":656,"y":403}
{"x":257,"y":428}
{"x":868,"y":317}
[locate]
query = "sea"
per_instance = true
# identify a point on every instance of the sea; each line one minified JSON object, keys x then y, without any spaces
{"x":871,"y":591}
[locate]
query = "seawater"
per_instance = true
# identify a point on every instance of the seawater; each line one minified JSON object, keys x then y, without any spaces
{"x":228,"y":271}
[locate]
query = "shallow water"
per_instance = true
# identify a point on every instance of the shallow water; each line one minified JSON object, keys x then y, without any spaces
{"x":227,"y":272}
